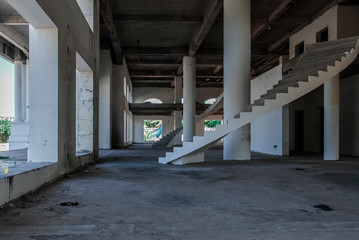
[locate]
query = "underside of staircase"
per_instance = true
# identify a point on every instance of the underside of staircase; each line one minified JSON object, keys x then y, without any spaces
{"x":318,"y":64}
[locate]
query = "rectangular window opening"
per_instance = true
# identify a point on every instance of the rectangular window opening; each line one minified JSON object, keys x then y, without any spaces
{"x":152,"y":130}
{"x":323,"y":35}
{"x":299,"y":49}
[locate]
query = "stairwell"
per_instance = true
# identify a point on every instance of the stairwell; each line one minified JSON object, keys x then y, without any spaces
{"x":167,"y":140}
{"x":319,"y":63}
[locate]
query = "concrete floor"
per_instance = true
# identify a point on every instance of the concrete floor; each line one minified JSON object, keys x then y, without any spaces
{"x":127,"y":195}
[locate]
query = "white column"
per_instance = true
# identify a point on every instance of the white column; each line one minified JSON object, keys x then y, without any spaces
{"x":331,"y":119}
{"x":44,"y":128}
{"x":18,"y":91}
{"x":27,"y":94}
{"x":178,"y":114}
{"x":189,"y":98}
{"x":105,"y":100}
{"x":23,"y":92}
{"x":178,"y":99}
{"x":237,"y":65}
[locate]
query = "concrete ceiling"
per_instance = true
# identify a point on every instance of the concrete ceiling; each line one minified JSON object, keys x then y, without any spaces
{"x":154,"y":35}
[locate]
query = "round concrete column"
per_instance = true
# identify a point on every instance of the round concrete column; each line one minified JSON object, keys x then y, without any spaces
{"x":237,"y":66}
{"x":23,"y":98}
{"x":27,"y":92}
{"x":331,"y":119}
{"x":189,"y":98}
{"x":18,"y":88}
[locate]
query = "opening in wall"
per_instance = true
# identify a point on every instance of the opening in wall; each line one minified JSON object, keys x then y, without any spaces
{"x":299,"y":48}
{"x":323,"y":35}
{"x":84,"y":106}
{"x":87,"y":9}
{"x":299,"y":130}
{"x":152,"y":130}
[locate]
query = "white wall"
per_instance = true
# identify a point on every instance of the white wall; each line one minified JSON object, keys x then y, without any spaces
{"x":122,"y":133}
{"x":267,"y":131}
{"x":166,"y":95}
{"x":105,"y":100}
{"x":308,"y":34}
{"x":44,"y":117}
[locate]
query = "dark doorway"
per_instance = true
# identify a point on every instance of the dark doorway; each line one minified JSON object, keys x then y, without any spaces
{"x":299,"y":49}
{"x":321,"y":109}
{"x":299,"y":131}
{"x":323,"y":35}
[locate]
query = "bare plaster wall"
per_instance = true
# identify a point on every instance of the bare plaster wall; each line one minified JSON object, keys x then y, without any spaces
{"x":166,"y":95}
{"x":75,"y":35}
{"x":120,"y":106}
{"x":267,"y":131}
{"x":308,"y":34}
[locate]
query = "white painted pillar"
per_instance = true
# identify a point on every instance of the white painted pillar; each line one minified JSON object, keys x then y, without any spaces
{"x":178,"y":99}
{"x":331,"y":119}
{"x":27,"y":94}
{"x":178,"y":114}
{"x":44,"y":128}
{"x":237,"y":65}
{"x":18,"y":91}
{"x":23,"y":92}
{"x":105,"y":126}
{"x":189,"y":98}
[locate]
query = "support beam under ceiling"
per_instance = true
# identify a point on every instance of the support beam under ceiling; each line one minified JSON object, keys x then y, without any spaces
{"x":209,"y":17}
{"x":12,"y":19}
{"x":282,"y":8}
{"x":107,"y":16}
{"x":17,"y":38}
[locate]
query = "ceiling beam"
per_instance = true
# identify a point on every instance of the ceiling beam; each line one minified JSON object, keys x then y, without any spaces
{"x":17,"y":38}
{"x":282,"y":8}
{"x":158,"y":18}
{"x":12,"y":19}
{"x":209,"y":17}
{"x":107,"y":16}
{"x":143,"y":61}
{"x":218,"y":69}
{"x":154,"y":51}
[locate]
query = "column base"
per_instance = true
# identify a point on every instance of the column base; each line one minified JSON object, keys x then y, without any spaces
{"x":19,"y":138}
{"x":192,"y":158}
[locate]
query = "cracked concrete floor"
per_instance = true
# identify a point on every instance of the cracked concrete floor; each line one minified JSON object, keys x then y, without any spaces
{"x":127,"y":195}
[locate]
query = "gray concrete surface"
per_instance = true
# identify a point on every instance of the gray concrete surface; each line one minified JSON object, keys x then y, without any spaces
{"x":127,"y":195}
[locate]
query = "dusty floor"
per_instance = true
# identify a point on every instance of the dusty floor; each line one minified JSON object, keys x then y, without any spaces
{"x":127,"y":195}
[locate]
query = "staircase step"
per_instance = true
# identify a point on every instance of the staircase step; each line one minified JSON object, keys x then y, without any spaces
{"x":295,"y":78}
{"x":338,"y":42}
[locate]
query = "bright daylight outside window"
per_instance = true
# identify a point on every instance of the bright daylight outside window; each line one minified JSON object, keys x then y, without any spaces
{"x":152,"y":130}
{"x":6,"y":102}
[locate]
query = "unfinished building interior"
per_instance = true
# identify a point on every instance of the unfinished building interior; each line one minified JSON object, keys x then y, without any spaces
{"x":192,"y":119}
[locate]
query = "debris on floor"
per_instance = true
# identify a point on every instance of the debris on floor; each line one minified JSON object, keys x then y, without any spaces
{"x":323,"y":207}
{"x":69,"y":204}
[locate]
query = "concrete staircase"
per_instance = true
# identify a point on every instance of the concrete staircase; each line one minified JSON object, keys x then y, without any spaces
{"x":167,"y":140}
{"x":319,"y":63}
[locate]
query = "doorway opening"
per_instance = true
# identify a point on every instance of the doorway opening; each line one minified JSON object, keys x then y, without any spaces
{"x":152,"y":130}
{"x":299,"y":131}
